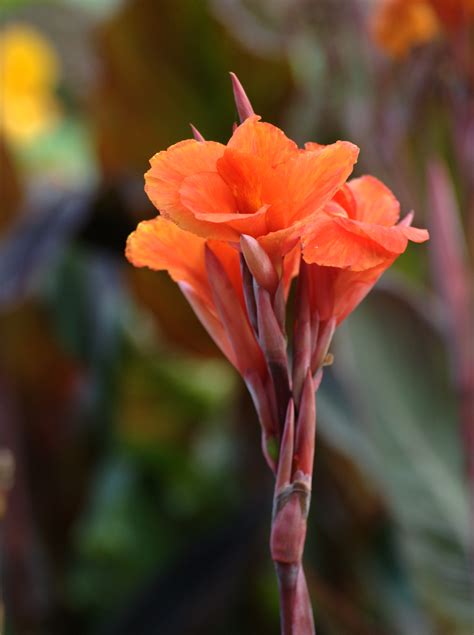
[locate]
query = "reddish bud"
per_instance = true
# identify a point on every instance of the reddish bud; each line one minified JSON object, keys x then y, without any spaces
{"x":407,"y":220}
{"x":242,"y":102}
{"x":302,"y":336}
{"x":249,"y":295}
{"x":233,"y":317}
{"x":273,"y":344}
{"x":326,"y":332}
{"x":279,"y":305}
{"x":259,"y":263}
{"x":196,"y":134}
{"x":262,"y":405}
{"x":306,"y":428}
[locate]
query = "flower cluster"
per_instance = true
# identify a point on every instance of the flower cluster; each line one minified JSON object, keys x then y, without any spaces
{"x":237,"y":224}
{"x":297,"y":206}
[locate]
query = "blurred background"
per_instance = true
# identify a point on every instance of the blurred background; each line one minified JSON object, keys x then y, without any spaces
{"x":133,"y":496}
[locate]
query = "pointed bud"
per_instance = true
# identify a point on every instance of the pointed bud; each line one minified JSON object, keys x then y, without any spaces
{"x":302,"y":335}
{"x":249,"y":295}
{"x":196,"y":134}
{"x":269,"y":426}
{"x":242,"y":102}
{"x":233,"y":317}
{"x":407,"y":220}
{"x":259,"y":263}
{"x":273,"y":344}
{"x":285,"y":460}
{"x":279,"y":305}
{"x":306,"y":428}
{"x":326,"y":333}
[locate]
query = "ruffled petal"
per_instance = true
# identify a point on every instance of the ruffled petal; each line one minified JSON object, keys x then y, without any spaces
{"x":207,"y":193}
{"x":254,"y":137}
{"x":161,"y":245}
{"x":392,"y":239}
{"x":244,"y":175}
{"x":375,"y":203}
{"x":303,"y":185}
{"x":332,"y":244}
{"x":168,"y":171}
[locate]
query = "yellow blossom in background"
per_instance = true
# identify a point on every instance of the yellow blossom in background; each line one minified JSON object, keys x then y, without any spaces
{"x":29,"y":72}
{"x":399,"y":25}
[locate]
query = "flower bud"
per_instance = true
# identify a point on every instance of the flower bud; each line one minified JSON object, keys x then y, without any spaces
{"x":242,"y":102}
{"x":259,"y":263}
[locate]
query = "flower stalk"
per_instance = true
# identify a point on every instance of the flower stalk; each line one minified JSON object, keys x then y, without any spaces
{"x":237,"y":224}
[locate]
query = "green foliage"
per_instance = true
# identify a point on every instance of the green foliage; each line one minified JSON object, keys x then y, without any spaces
{"x":394,"y":414}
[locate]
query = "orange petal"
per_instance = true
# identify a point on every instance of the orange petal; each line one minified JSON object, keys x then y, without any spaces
{"x":312,"y":146}
{"x":263,"y":140}
{"x":374,"y":201}
{"x":207,"y":193}
{"x":244,"y":174}
{"x":392,"y":239}
{"x":167,"y":173}
{"x":161,"y":245}
{"x":415,"y":234}
{"x":330,"y":244}
{"x":291,"y":266}
{"x":336,"y":292}
{"x":351,"y":287}
{"x":301,"y":186}
{"x":345,"y":199}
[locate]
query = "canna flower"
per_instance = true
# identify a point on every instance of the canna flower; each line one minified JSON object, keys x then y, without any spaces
{"x":238,"y":222}
{"x":350,"y":245}
{"x":259,"y":184}
{"x":400,"y":25}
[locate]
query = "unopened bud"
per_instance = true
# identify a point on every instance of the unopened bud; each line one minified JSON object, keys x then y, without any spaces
{"x":196,"y":134}
{"x":242,"y":102}
{"x":259,"y":263}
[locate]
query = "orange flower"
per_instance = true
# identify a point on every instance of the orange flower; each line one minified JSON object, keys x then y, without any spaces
{"x":260,"y":184}
{"x":352,"y":243}
{"x":400,"y":25}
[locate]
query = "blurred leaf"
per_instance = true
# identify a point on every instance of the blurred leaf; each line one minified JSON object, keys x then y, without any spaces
{"x":36,"y":241}
{"x":10,"y":188}
{"x":63,"y":156}
{"x":396,"y":417}
{"x":119,"y":540}
{"x":170,"y":67}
